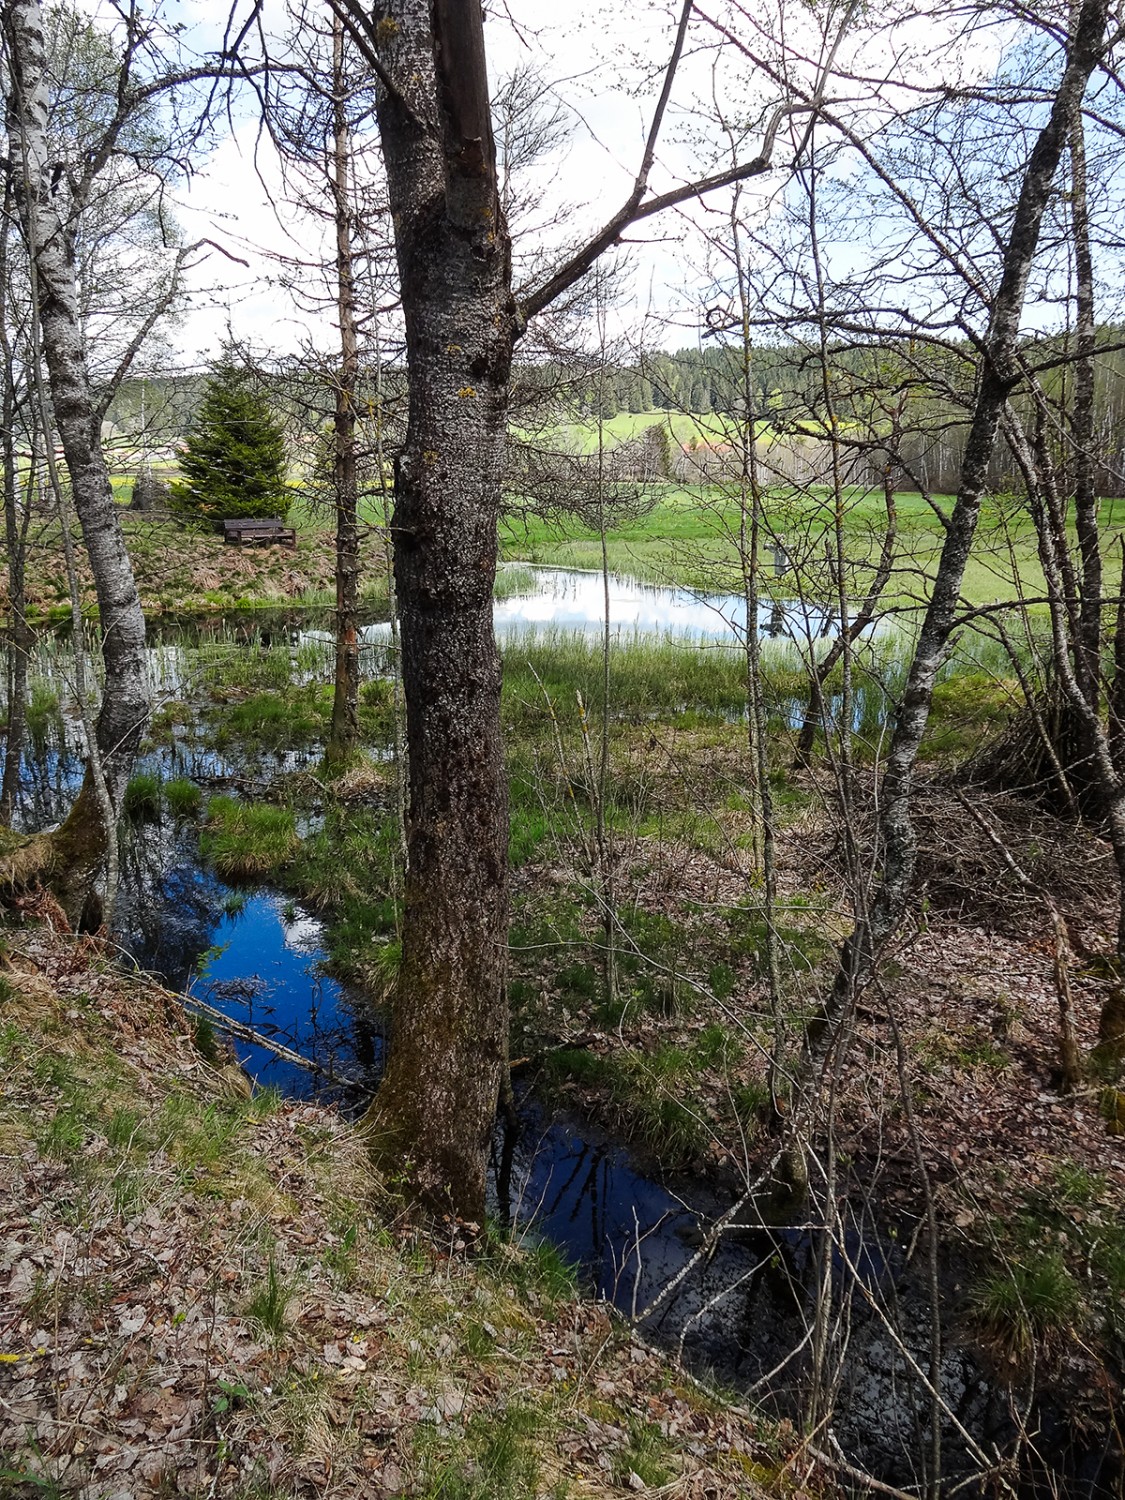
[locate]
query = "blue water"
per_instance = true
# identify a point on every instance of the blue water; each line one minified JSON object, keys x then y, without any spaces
{"x":260,"y":960}
{"x":265,"y":968}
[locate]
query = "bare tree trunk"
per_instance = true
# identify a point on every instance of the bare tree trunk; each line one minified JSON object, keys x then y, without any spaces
{"x":1000,"y":374}
{"x":435,"y":1108}
{"x":1088,"y":642}
{"x":599,"y":782}
{"x":15,"y":538}
{"x":19,"y":636}
{"x":80,"y":845}
{"x":344,"y":735}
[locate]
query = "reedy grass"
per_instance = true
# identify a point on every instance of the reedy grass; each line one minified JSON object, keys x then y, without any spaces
{"x":248,"y":840}
{"x":44,"y":714}
{"x":268,"y":1307}
{"x":1026,"y":1303}
{"x":143,"y":796}
{"x":182,"y":797}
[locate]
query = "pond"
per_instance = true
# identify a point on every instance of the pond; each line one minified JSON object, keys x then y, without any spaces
{"x":565,"y":599}
{"x":258,"y":958}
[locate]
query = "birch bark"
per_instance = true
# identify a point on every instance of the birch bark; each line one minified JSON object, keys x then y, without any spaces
{"x":80,"y":844}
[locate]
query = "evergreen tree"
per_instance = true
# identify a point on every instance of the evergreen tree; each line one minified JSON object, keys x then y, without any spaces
{"x":234,"y":462}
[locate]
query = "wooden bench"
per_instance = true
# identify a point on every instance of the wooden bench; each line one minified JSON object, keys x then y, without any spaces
{"x":264,"y":531}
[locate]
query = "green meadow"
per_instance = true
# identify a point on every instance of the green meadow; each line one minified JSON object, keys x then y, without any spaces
{"x":691,"y":536}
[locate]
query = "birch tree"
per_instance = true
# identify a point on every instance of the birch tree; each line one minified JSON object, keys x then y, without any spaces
{"x":55,"y":184}
{"x":1000,"y":373}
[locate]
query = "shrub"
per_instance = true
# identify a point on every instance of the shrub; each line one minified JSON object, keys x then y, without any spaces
{"x":183,"y":797}
{"x":142,"y":797}
{"x":247,"y":840}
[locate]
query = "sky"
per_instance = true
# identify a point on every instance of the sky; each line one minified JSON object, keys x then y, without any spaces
{"x":602,"y":63}
{"x":590,"y":63}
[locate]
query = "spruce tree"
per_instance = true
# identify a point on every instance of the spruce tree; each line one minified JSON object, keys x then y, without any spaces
{"x":234,"y":463}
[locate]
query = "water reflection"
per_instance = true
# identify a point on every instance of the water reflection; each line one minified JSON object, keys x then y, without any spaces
{"x":255,"y":956}
{"x":566,"y":599}
{"x":266,"y":968}
{"x":744,"y":1310}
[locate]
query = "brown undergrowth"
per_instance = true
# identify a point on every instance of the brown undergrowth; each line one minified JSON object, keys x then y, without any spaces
{"x":178,"y":568}
{"x":950,"y":1084}
{"x":205,"y":1293}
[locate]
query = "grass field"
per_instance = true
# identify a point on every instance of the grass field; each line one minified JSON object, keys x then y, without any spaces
{"x":692,"y":537}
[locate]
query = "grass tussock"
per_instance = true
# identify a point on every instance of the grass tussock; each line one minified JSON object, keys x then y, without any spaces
{"x":249,"y":840}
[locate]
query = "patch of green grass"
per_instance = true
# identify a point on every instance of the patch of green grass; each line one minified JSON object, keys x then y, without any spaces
{"x":579,"y":981}
{"x":34,"y":1480}
{"x":230,"y":666}
{"x":544,"y":673}
{"x":714,"y":1046}
{"x":1026,"y":1302}
{"x":182,"y":797}
{"x":981,"y":1052}
{"x":11,"y":1035}
{"x":1077,"y":1185}
{"x":53,"y":1070}
{"x":350,"y":870}
{"x":64,"y":1135}
{"x":587,"y":1069}
{"x":142,"y":797}
{"x":266,"y":1100}
{"x":530,"y":829}
{"x":750,"y":1101}
{"x":384,"y":970}
{"x":274,"y":721}
{"x":268,"y":1308}
{"x":648,"y":1095}
{"x":802,"y":947}
{"x":1108,"y":1259}
{"x":200,"y":1139}
{"x":340,"y":1258}
{"x":722,"y":980}
{"x":542,"y":1268}
{"x":249,"y":840}
{"x":123,"y":1128}
{"x":647,"y":1456}
{"x":128,"y":1192}
{"x":668,"y":1127}
{"x":495,"y":1458}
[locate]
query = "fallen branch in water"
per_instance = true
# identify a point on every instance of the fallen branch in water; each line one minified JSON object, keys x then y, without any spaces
{"x":244,"y":1033}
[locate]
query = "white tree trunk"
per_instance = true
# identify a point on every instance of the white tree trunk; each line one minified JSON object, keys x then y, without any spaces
{"x":50,"y":241}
